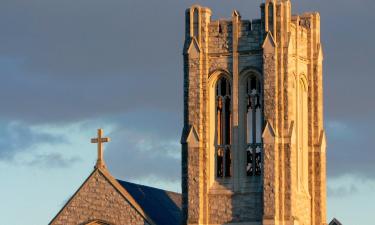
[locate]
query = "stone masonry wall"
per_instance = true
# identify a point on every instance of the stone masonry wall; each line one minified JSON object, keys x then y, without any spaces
{"x":236,"y":208}
{"x":283,"y":49}
{"x":192,"y":176}
{"x":98,"y":200}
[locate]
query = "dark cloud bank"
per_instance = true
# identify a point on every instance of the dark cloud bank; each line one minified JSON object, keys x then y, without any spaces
{"x":67,"y":61}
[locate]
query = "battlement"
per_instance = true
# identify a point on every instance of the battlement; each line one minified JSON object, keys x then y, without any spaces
{"x":216,"y":36}
{"x":221,"y":35}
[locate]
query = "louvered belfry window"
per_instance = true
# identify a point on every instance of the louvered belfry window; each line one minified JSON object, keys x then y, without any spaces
{"x":223,"y":128}
{"x":254,"y":126}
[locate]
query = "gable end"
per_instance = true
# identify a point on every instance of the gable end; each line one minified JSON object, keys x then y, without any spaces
{"x":98,"y":199}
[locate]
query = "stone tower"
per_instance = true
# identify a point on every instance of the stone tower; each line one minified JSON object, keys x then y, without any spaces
{"x":253,"y":143}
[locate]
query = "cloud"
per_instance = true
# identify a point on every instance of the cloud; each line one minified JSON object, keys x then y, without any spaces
{"x":145,"y":148}
{"x":141,"y":155}
{"x":52,"y":160}
{"x":17,"y":137}
{"x":341,"y":191}
{"x":350,"y":149}
{"x":67,"y":61}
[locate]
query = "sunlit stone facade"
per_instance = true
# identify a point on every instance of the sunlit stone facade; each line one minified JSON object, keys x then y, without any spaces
{"x":253,"y":143}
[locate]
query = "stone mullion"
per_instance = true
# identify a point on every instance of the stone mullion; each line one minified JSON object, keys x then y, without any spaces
{"x":224,"y":137}
{"x":236,"y":19}
{"x":254,"y":128}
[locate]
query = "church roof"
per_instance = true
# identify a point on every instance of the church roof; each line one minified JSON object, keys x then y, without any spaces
{"x":163,"y":207}
{"x":335,"y":222}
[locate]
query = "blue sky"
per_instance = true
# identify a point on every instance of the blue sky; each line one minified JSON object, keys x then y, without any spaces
{"x":70,"y":67}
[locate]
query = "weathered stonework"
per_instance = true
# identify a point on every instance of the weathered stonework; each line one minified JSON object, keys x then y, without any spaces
{"x":285,"y":52}
{"x":98,"y":199}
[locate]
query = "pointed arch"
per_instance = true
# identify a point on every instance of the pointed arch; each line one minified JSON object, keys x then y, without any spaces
{"x":195,"y":14}
{"x":96,"y":222}
{"x":304,"y":82}
{"x":220,"y":116}
{"x":252,"y":120}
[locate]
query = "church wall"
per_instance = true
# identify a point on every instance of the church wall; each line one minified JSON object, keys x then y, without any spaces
{"x":303,"y":53}
{"x":98,"y":200}
{"x":234,"y":208}
{"x":287,"y":56}
{"x":299,"y":198}
{"x":190,"y":170}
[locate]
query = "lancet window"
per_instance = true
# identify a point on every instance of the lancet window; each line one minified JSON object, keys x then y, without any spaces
{"x":254,"y":126}
{"x":223,"y":128}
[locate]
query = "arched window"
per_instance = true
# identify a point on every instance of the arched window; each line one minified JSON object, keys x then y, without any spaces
{"x":196,"y":23}
{"x":254,"y":126}
{"x":223,"y":128}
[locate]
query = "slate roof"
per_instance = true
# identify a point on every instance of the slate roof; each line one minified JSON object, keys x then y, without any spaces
{"x":163,"y":207}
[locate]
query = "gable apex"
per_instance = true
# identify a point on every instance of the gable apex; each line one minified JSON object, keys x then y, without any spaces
{"x":192,"y":48}
{"x":99,"y":175}
{"x":268,"y":134}
{"x":335,"y":222}
{"x":292,"y":133}
{"x":236,"y":14}
{"x":269,"y":42}
{"x":320,"y":53}
{"x":191,"y":137}
{"x":322,"y":141}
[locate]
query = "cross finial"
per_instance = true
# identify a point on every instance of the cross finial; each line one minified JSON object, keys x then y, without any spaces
{"x":100,"y":140}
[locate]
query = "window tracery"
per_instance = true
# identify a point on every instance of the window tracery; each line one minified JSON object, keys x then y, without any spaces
{"x":254,"y":126}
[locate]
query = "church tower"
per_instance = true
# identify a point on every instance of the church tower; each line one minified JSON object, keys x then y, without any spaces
{"x":253,"y":143}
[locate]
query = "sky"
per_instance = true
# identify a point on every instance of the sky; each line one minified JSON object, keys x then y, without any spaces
{"x":69,"y":67}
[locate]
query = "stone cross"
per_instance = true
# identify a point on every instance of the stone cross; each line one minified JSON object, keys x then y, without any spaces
{"x":100,"y":140}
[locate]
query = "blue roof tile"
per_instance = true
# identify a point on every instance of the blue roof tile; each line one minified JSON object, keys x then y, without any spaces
{"x":163,"y":207}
